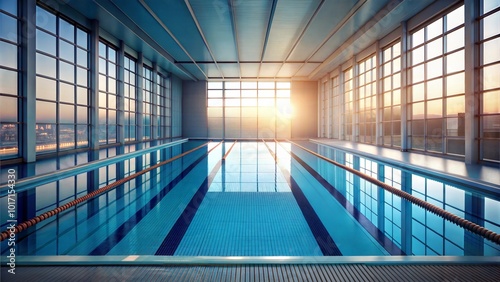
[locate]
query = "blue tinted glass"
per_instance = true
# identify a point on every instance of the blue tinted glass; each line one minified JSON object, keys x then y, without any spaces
{"x":45,"y":20}
{"x":66,"y":30}
{"x":45,"y":42}
{"x":9,"y":6}
{"x":9,"y":55}
{"x":8,"y":28}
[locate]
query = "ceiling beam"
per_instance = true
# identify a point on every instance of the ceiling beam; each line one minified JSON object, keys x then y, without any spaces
{"x":235,"y":32}
{"x":302,"y":34}
{"x":153,"y":14}
{"x":335,"y":30}
{"x":349,"y":43}
{"x":193,"y":16}
{"x":268,"y":32}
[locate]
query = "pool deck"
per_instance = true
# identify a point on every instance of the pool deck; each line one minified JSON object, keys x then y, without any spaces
{"x":484,"y":177}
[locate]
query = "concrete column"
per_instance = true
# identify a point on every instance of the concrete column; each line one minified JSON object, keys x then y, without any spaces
{"x":94,"y":86}
{"x":120,"y":115}
{"x":472,"y":102}
{"x":404,"y":85}
{"x":27,"y":85}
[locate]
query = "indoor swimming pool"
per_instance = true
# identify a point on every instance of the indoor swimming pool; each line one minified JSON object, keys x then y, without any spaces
{"x":248,"y":198}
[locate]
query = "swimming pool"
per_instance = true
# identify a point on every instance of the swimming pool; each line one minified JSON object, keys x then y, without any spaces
{"x":253,"y":199}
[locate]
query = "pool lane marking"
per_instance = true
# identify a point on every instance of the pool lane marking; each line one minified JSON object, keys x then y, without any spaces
{"x":179,"y":229}
{"x":114,"y":238}
{"x":323,"y":238}
{"x":228,"y":151}
{"x":374,"y":231}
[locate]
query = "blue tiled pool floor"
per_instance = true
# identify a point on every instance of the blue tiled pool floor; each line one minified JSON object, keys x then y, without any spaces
{"x":247,"y":224}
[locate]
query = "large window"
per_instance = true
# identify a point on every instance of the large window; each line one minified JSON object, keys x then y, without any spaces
{"x":324,"y":110}
{"x":130,"y":99}
{"x":107,"y":93}
{"x":164,"y":107}
{"x":348,"y":114}
{"x":367,"y":99}
{"x":391,"y":83}
{"x":490,"y":80}
{"x":336,"y":109}
{"x":149,"y":99}
{"x":437,"y":99}
{"x":62,"y":103}
{"x":249,"y":109}
{"x":9,"y":94}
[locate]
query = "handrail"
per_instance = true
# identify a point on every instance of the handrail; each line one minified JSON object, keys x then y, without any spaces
{"x":228,"y":151}
{"x":464,"y":223}
{"x":28,"y":223}
{"x":37,"y":180}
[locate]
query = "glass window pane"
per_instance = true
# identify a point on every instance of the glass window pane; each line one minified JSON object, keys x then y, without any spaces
{"x":435,"y":88}
{"x":45,"y":20}
{"x":45,"y":65}
{"x":283,"y":85}
{"x":9,"y":109}
{"x":232,"y":85}
{"x":417,"y":55}
{"x":45,"y":42}
{"x":455,"y":84}
{"x":434,"y":48}
{"x":214,"y":93}
{"x":435,"y":108}
{"x":455,"y":62}
{"x":435,"y":68}
{"x":45,"y":88}
{"x":418,"y":92}
{"x":491,"y":102}
{"x":66,"y":72}
{"x":455,"y":40}
{"x":215,"y":102}
{"x":82,"y":96}
{"x":66,"y":92}
{"x":66,"y":113}
{"x":491,"y":51}
{"x":232,"y":93}
{"x":82,"y":115}
{"x":81,"y":38}
{"x":489,"y":5}
{"x":214,"y":85}
{"x":8,"y":82}
{"x":249,"y":85}
{"x":82,"y":78}
{"x":266,"y":85}
{"x":455,"y":18}
{"x":418,"y":111}
{"x":491,"y":77}
{"x":9,"y":6}
{"x":455,"y":106}
{"x":491,"y":25}
{"x":66,"y":30}
{"x":417,"y":73}
{"x":45,"y":112}
{"x":66,"y":51}
{"x":417,"y":38}
{"x":434,"y":29}
{"x":9,"y":55}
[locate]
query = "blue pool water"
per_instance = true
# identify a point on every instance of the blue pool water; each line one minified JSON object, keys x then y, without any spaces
{"x":260,"y":201}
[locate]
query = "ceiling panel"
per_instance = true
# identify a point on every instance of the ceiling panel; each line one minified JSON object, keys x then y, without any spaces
{"x":289,"y":69}
{"x":250,"y":69}
{"x":269,"y":69}
{"x":176,"y":17}
{"x":210,"y":70}
{"x":193,"y":69}
{"x":290,"y":18}
{"x":326,"y":21}
{"x":307,"y":69}
{"x":230,"y":70}
{"x":251,"y":23}
{"x":215,"y":19}
{"x":363,"y":15}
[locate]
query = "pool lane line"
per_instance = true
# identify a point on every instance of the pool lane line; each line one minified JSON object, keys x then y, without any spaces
{"x":228,"y":151}
{"x":114,"y":238}
{"x":323,"y":238}
{"x":464,"y":223}
{"x":28,"y":223}
{"x":180,"y":227}
{"x":373,"y":230}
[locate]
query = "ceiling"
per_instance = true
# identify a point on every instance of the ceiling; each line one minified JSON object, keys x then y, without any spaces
{"x":248,"y":39}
